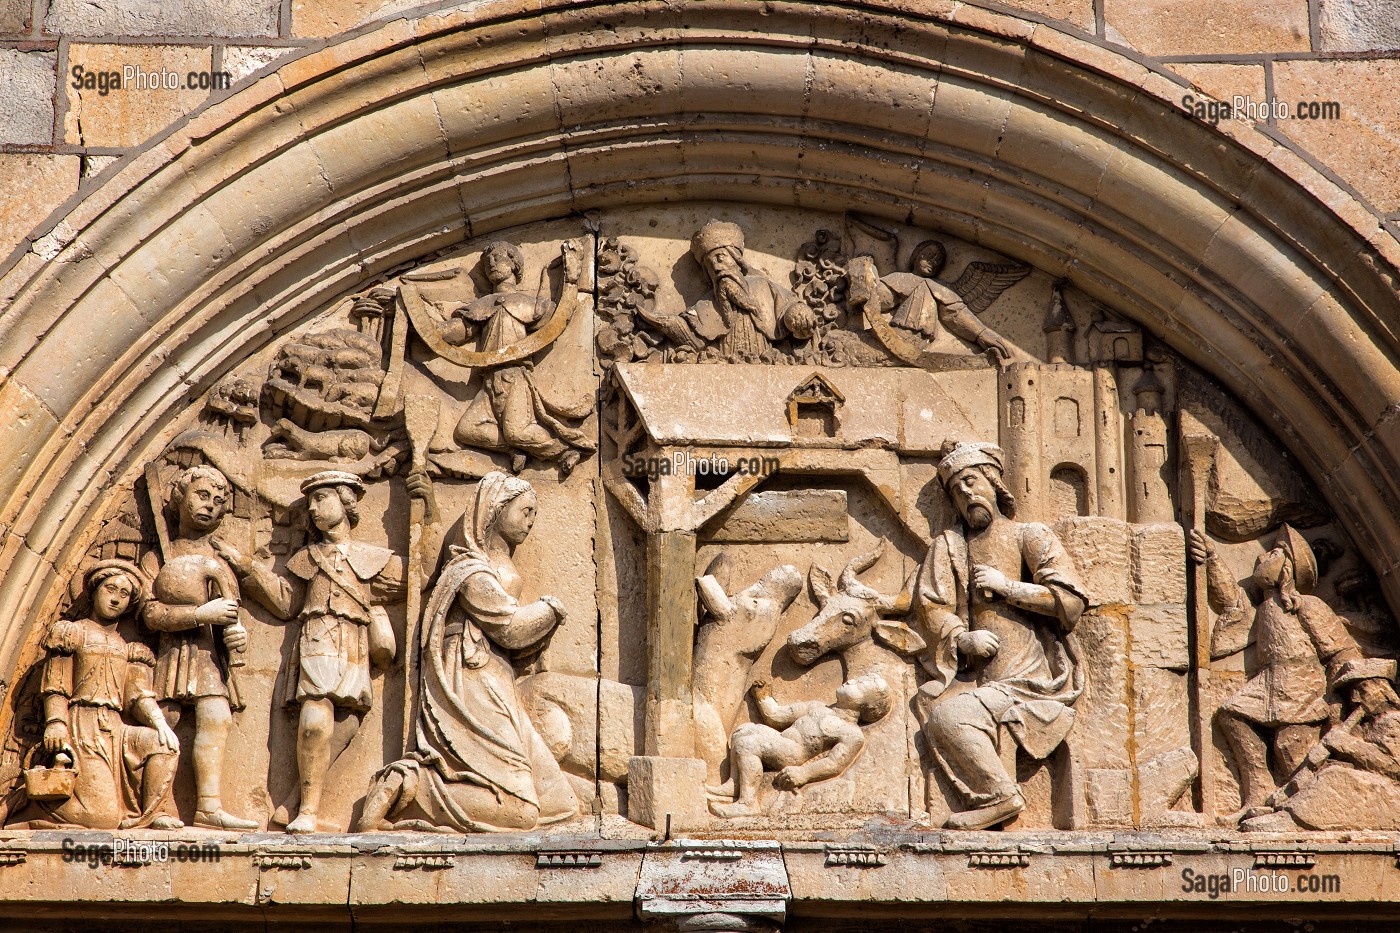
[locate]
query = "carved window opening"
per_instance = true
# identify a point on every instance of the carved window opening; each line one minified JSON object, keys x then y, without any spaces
{"x":1069,"y":491}
{"x":812,"y":408}
{"x":1067,"y":417}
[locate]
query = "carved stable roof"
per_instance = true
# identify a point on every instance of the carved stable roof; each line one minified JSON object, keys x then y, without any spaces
{"x":743,"y":405}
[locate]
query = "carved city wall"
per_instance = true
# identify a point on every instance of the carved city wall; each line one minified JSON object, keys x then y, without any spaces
{"x":483,"y":468}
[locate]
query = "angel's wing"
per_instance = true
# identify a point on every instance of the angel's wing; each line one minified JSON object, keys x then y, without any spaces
{"x":982,"y":282}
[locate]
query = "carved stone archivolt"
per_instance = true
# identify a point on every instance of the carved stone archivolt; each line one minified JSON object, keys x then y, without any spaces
{"x":728,"y":516}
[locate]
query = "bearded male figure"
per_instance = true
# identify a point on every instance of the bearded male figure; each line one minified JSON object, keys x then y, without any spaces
{"x":998,"y":598}
{"x":747,"y":312}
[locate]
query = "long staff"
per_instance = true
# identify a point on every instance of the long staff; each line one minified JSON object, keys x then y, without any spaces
{"x":420,"y":417}
{"x":1200,"y":446}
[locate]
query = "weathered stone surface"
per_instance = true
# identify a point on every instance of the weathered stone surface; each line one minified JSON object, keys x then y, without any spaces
{"x":29,"y":422}
{"x":313,"y":18}
{"x":804,"y":516}
{"x":1103,"y":716}
{"x":140,"y":100}
{"x":1364,"y":143}
{"x":242,"y":60}
{"x":1159,"y":635}
{"x":152,"y":18}
{"x":95,"y":165}
{"x":1165,"y":778}
{"x":661,"y":792}
{"x":1159,"y":573}
{"x":1076,"y":12}
{"x":1358,"y":26}
{"x":1110,"y":796}
{"x":1217,"y":767}
{"x":1102,"y":549}
{"x":1161,"y":723}
{"x":928,"y":405}
{"x":27,"y":84}
{"x":1204,"y":27}
{"x":30,"y":187}
{"x":16,"y":16}
{"x":1252,"y":482}
{"x":739,"y":876}
{"x":1224,"y":82}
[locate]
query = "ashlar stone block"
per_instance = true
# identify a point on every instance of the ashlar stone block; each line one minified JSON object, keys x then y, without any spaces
{"x":134,"y":91}
{"x":665,"y":789}
{"x":1159,"y":573}
{"x":1359,"y":25}
{"x":156,"y":18}
{"x":15,"y":16}
{"x":27,"y":81}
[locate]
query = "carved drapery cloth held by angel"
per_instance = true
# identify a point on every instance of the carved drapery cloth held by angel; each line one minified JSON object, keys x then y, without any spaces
{"x":920,"y":304}
{"x":507,"y":327}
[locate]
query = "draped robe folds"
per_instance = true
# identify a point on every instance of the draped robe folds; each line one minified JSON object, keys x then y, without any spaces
{"x":1041,"y":675}
{"x":510,"y":411}
{"x":103,"y":677}
{"x":472,"y":727}
{"x":747,"y":335}
{"x":929,"y":307}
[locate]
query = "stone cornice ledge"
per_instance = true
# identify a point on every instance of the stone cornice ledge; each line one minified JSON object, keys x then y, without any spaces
{"x":393,"y":878}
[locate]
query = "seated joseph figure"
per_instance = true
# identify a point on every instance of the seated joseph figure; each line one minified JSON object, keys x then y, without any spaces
{"x":999,"y":600}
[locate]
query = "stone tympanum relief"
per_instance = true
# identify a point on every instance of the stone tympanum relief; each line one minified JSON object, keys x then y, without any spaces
{"x":196,"y":608}
{"x":335,"y":590}
{"x":113,"y":752}
{"x":817,"y":742}
{"x":722,"y":519}
{"x":480,"y":766}
{"x":1001,"y":599}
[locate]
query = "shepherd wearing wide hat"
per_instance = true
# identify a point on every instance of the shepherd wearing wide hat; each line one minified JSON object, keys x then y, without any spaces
{"x":337,"y":591}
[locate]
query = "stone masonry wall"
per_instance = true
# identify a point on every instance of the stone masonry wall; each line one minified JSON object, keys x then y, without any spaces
{"x":55,"y":137}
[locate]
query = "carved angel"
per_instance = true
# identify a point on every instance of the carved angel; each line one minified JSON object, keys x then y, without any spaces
{"x":922,"y":304}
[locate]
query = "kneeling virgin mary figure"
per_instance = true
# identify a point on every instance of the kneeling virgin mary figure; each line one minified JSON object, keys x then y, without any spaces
{"x":480,"y":765}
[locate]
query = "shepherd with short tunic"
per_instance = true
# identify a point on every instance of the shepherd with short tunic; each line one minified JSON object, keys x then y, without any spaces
{"x":1301,"y":647}
{"x":336,"y":592}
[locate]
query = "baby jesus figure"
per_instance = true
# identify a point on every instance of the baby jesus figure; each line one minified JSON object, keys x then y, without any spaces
{"x":817,"y":742}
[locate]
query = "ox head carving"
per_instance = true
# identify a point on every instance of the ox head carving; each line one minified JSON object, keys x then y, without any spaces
{"x":850,"y":612}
